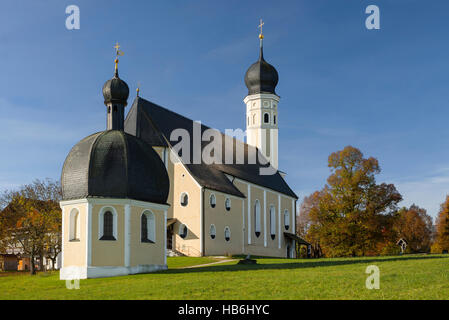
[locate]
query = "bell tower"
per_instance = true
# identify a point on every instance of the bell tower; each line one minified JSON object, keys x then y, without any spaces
{"x":115,"y":93}
{"x":262,"y":106}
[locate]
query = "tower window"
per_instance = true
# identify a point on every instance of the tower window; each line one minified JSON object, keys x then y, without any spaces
{"x":274,"y":119}
{"x":266,"y":118}
{"x":184,"y":199}
{"x":228,"y":204}
{"x":254,"y":119}
{"x":109,"y":109}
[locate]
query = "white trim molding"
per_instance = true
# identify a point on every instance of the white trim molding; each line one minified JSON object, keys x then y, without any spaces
{"x":165,"y":237}
{"x":62,"y":235}
{"x":127,"y":235}
{"x":75,"y":273}
{"x":89,"y":235}
{"x":115,"y":201}
{"x":249,"y":214}
{"x":279,"y":220}
{"x":264,"y":218}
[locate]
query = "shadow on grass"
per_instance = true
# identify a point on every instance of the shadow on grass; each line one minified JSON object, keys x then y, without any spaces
{"x":298,"y":265}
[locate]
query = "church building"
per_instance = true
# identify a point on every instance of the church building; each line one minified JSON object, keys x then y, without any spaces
{"x":129,"y":197}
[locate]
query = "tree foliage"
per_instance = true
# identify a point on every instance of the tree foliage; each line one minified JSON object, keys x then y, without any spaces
{"x":442,"y":229}
{"x":352,"y":215}
{"x":415,"y":226}
{"x":30,"y":221}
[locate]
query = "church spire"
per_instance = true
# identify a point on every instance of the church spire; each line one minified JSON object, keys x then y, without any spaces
{"x":115,"y":93}
{"x":261,"y":39}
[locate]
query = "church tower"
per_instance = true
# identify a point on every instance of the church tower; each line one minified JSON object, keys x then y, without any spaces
{"x":115,"y":93}
{"x":262,"y":106}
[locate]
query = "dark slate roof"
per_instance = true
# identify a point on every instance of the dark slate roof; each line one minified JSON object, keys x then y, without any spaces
{"x":155,"y":124}
{"x":261,"y":77}
{"x":115,"y":90}
{"x":114,"y":164}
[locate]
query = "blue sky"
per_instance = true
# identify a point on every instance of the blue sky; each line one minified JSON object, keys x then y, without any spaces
{"x":383,"y":91}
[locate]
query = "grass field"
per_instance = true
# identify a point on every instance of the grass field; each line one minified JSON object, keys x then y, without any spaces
{"x":407,"y":277}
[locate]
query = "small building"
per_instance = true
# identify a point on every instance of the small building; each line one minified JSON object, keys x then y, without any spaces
{"x":114,"y":207}
{"x":8,"y":262}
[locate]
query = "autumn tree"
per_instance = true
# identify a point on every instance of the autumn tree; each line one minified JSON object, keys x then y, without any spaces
{"x":352,"y":215}
{"x":442,"y":229}
{"x":304,"y":222}
{"x":30,"y":220}
{"x":415,"y":226}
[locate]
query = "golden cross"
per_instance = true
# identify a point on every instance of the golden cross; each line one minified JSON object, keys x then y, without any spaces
{"x":261,"y":25}
{"x":117,"y":46}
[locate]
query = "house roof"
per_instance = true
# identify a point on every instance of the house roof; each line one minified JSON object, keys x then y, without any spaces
{"x":155,"y":124}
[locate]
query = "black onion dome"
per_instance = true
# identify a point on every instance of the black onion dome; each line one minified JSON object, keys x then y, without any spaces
{"x":261,"y":77}
{"x":115,"y":90}
{"x":114,"y":164}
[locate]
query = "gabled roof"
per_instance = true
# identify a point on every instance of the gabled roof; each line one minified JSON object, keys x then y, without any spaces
{"x":154,"y":124}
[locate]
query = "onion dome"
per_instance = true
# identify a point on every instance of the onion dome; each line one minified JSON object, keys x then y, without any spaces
{"x":115,"y":90}
{"x":114,"y":164}
{"x":261,"y":77}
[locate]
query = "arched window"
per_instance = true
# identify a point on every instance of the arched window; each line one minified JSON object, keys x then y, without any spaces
{"x":257,"y":226}
{"x":254,"y":119}
{"x":212,"y":231}
{"x":227,"y":234}
{"x":228,"y":204}
{"x":286,"y":219}
{"x":212,"y":200}
{"x":183,"y":231}
{"x":74,"y":234}
{"x":184,"y":199}
{"x":266,"y":118}
{"x":147,"y":227}
{"x":274,"y":119}
{"x":272,"y":222}
{"x":107,"y":224}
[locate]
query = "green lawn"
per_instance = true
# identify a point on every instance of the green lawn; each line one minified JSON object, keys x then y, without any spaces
{"x":408,"y":277}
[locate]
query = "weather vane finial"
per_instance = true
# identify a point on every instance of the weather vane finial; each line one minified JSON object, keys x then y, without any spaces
{"x":261,"y":30}
{"x":138,"y":88}
{"x":117,"y":54}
